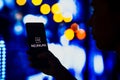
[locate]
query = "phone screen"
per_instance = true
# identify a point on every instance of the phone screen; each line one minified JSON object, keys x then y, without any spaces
{"x":36,"y":36}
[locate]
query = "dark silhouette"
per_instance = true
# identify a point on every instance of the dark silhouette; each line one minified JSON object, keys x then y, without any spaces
{"x":47,"y":63}
{"x":105,"y":24}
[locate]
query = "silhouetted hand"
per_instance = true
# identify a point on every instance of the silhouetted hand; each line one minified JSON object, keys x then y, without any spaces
{"x":47,"y":63}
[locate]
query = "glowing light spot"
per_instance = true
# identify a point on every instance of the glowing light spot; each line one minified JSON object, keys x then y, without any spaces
{"x":18,"y":16}
{"x":18,"y":29}
{"x":2,"y":41}
{"x":74,"y":27}
{"x":45,"y":9}
{"x":71,"y":7}
{"x":64,"y":41}
{"x":69,"y":34}
{"x":58,"y":18}
{"x":39,"y":76}
{"x":67,"y":17}
{"x":55,"y":9}
{"x":37,"y":2}
{"x":1,"y":4}
{"x":2,"y":59}
{"x":81,"y":34}
{"x":21,"y":2}
{"x":91,"y":10}
{"x":10,"y":3}
{"x":98,"y":64}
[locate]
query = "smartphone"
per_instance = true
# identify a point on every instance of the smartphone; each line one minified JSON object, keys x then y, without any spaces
{"x":36,"y":37}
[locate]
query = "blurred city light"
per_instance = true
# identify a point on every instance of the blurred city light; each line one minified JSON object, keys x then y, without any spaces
{"x":81,"y":34}
{"x":64,"y":41}
{"x":2,"y":59}
{"x":18,"y":16}
{"x":1,"y":4}
{"x":98,"y":64}
{"x":74,"y":27}
{"x":55,"y":9}
{"x":39,"y":76}
{"x":71,"y":7}
{"x":67,"y":17}
{"x":69,"y":34}
{"x":37,"y":2}
{"x":18,"y":28}
{"x":58,"y":18}
{"x":10,"y":3}
{"x":21,"y":2}
{"x":45,"y":8}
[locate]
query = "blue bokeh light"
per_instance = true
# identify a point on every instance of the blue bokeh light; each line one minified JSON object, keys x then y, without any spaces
{"x":2,"y":60}
{"x":18,"y":29}
{"x":1,"y":4}
{"x":98,"y":64}
{"x":10,"y":3}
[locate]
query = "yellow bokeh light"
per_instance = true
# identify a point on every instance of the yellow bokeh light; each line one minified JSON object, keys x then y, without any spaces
{"x":21,"y":2}
{"x":37,"y":2}
{"x":55,"y":9}
{"x":69,"y":34}
{"x":67,"y":17}
{"x":81,"y":34}
{"x":58,"y":18}
{"x":45,"y":9}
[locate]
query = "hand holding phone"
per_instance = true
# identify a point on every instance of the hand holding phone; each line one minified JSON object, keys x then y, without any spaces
{"x":36,"y":37}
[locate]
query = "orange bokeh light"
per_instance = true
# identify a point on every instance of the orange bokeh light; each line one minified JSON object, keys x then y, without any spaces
{"x":81,"y":34}
{"x":74,"y":27}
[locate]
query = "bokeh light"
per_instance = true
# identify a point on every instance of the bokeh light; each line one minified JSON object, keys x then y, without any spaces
{"x":18,"y":29}
{"x":55,"y":9}
{"x":81,"y":34}
{"x":10,"y":4}
{"x":21,"y":2}
{"x":58,"y":18}
{"x":37,"y":2}
{"x":67,"y":17}
{"x":1,"y":4}
{"x":64,"y":41}
{"x":2,"y":59}
{"x":39,"y":76}
{"x":68,"y":6}
{"x":74,"y":27}
{"x":98,"y":64}
{"x":69,"y":34}
{"x":18,"y":16}
{"x":45,"y":9}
